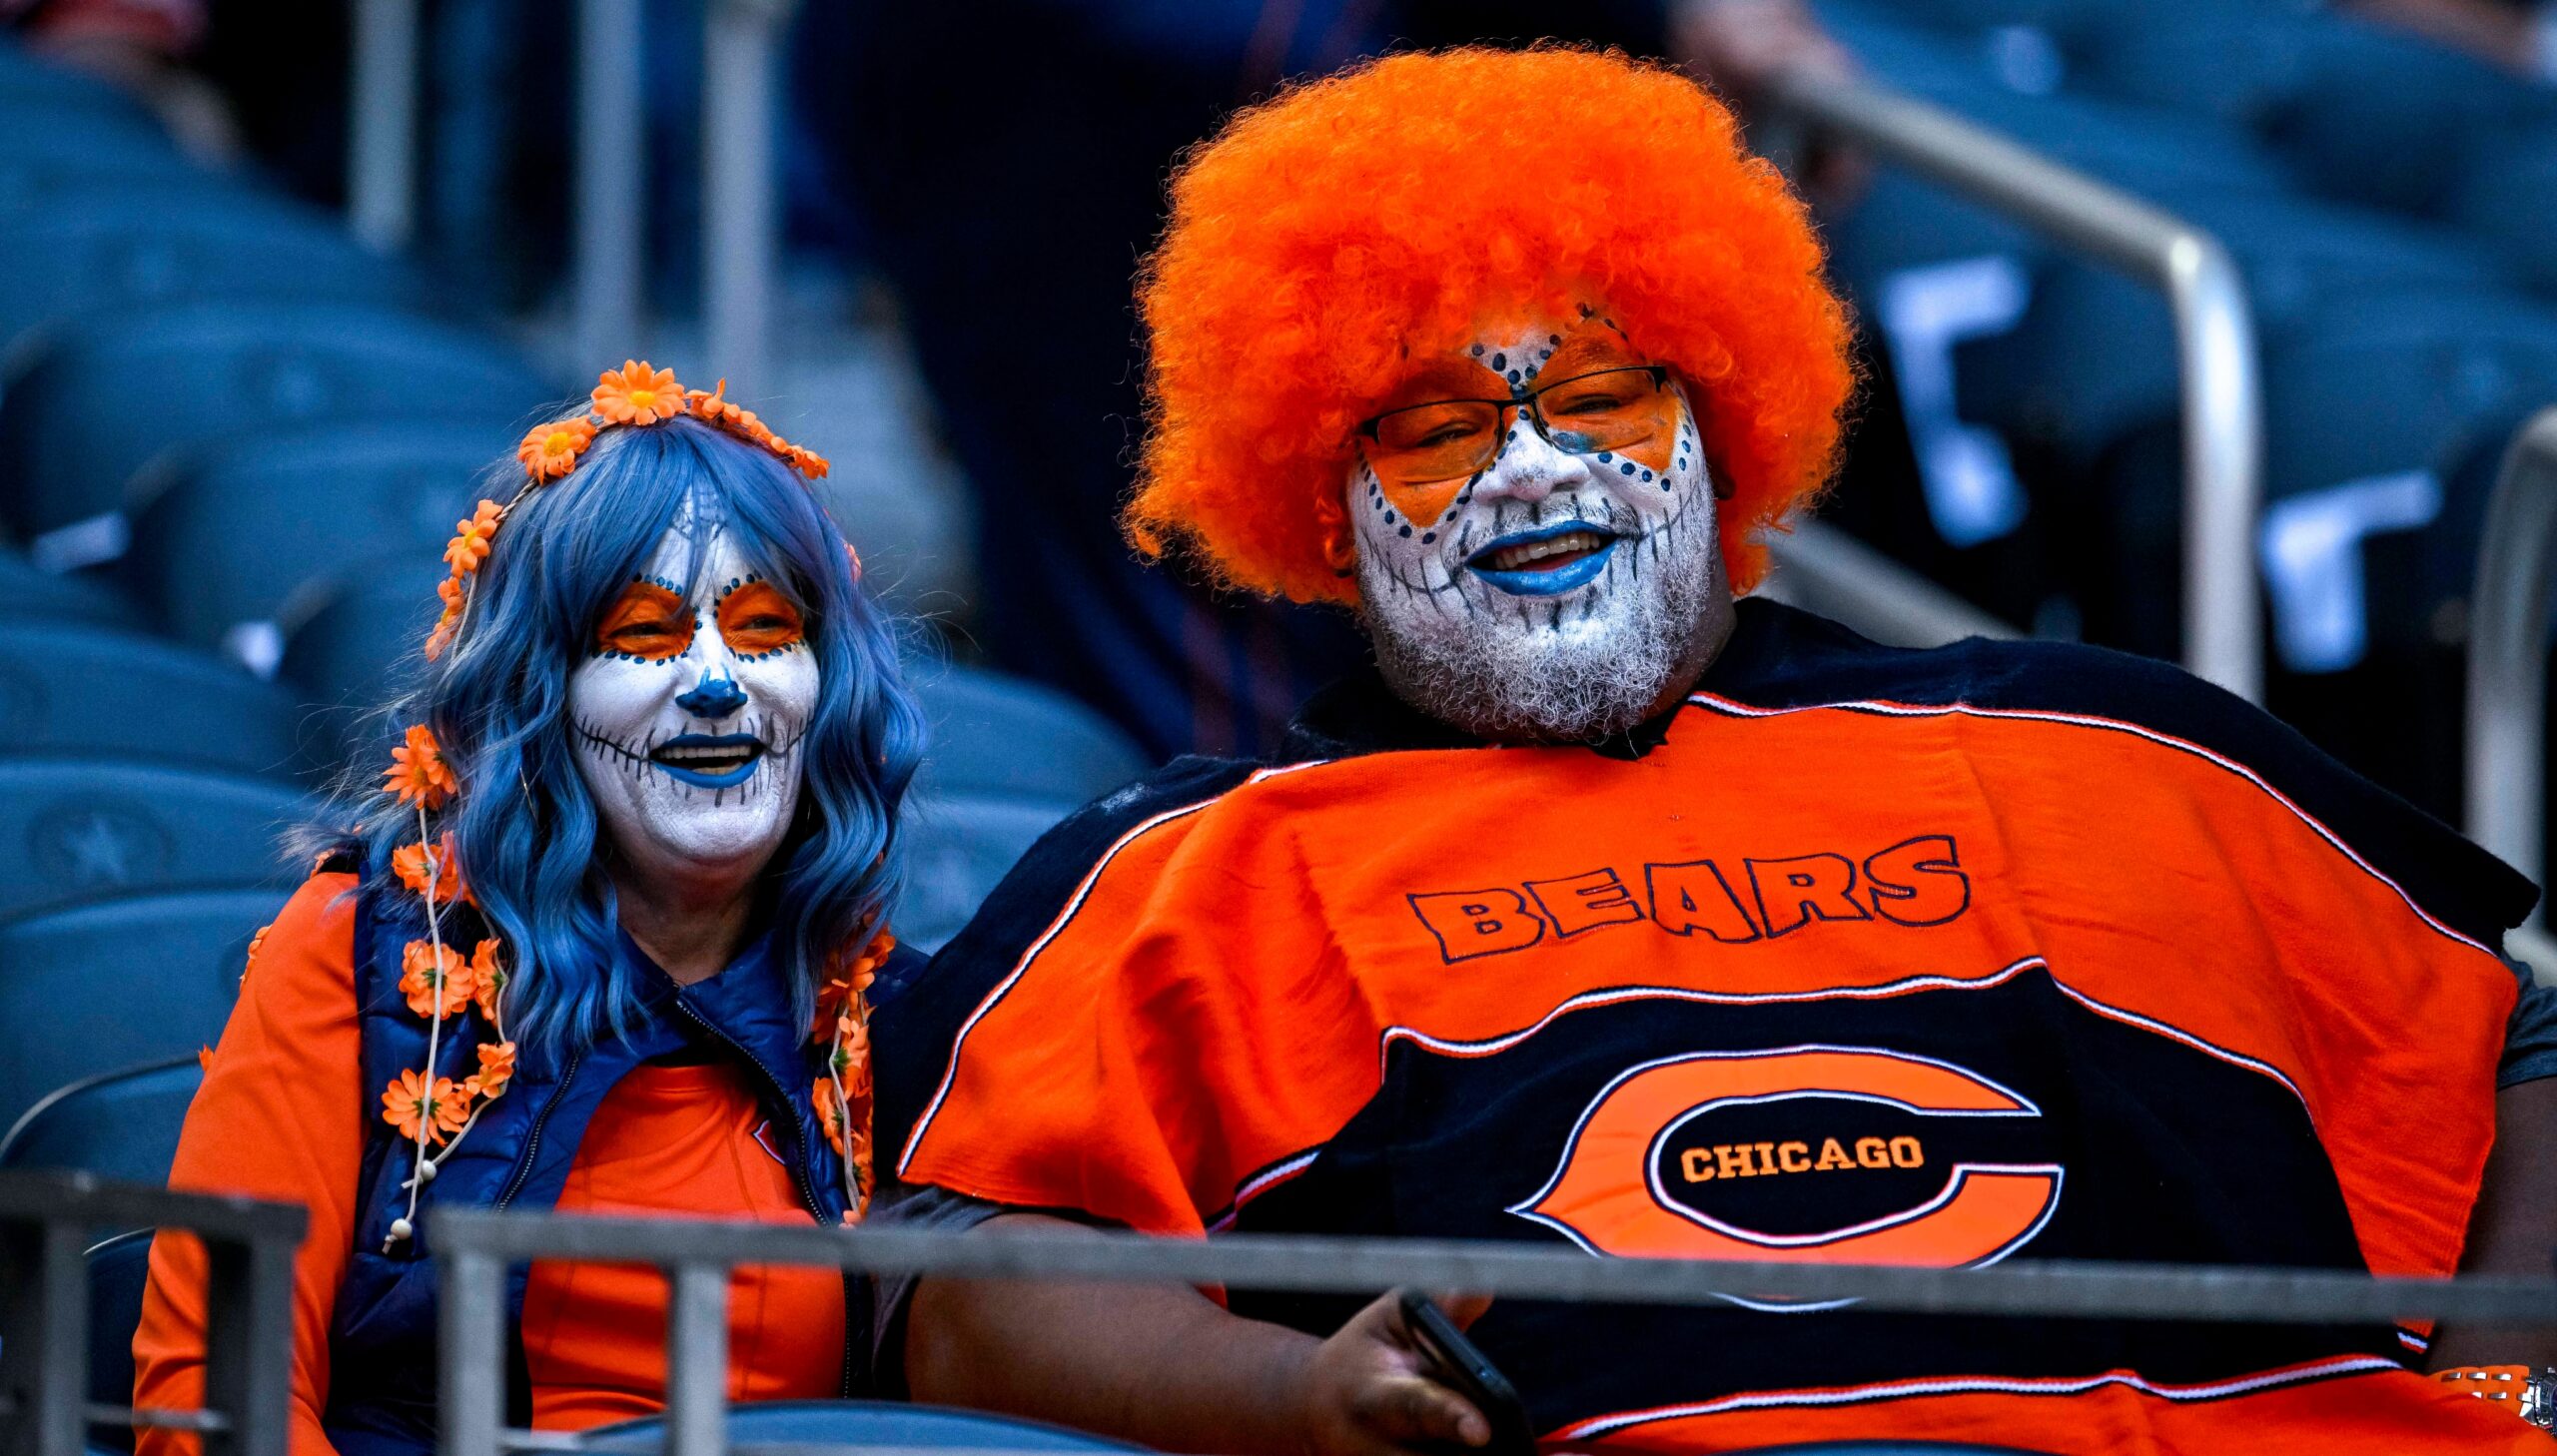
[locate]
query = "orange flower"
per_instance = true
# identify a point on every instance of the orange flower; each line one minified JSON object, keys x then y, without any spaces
{"x":430,"y":973}
{"x":410,"y":863}
{"x":832,"y":1115}
{"x":448,"y":625}
{"x":419,"y":1110}
{"x":487,"y":978}
{"x":470,"y":545}
{"x":497,"y":1069}
{"x":550,"y":450}
{"x":636,"y":394}
{"x":852,"y":1047}
{"x":808,"y":462}
{"x":417,"y":773}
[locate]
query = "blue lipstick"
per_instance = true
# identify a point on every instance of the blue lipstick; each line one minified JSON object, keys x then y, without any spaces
{"x":740,"y":743}
{"x":1552,"y":581}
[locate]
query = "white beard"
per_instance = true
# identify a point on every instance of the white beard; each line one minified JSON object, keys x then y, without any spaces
{"x":1572,"y":670}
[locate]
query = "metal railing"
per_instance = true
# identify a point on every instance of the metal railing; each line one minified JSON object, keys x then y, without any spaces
{"x":1823,"y":570}
{"x":740,"y":214}
{"x":477,"y":1247}
{"x":46,"y":1224}
{"x":2214,"y":330}
{"x":2508,"y":670}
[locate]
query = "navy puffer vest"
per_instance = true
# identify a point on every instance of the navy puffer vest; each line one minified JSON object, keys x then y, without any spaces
{"x":382,"y":1394}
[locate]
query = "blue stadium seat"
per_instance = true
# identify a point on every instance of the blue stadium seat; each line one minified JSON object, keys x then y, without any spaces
{"x":72,"y":96}
{"x":180,"y":955}
{"x":33,"y":182}
{"x":346,"y":650}
{"x":1002,"y":736}
{"x":76,"y":829}
{"x":2505,"y":193}
{"x":2095,"y":353}
{"x":97,"y":691}
{"x":2359,"y":111}
{"x":862,"y":1423}
{"x":124,"y":248}
{"x":45,"y":597}
{"x":121,"y":1126}
{"x":958,"y":848}
{"x":74,"y":443}
{"x":119,"y":1272}
{"x":243,"y":530}
{"x":85,"y":126}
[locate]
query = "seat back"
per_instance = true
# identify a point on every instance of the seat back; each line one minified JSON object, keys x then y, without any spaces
{"x":74,"y":442}
{"x":345,"y":648}
{"x":871,"y":1423}
{"x":958,"y":848}
{"x":122,"y":248}
{"x":180,"y":954}
{"x":241,"y":531}
{"x":996,"y":735}
{"x":121,"y":1125}
{"x":92,"y":690}
{"x":47,"y":597}
{"x":75,"y":829}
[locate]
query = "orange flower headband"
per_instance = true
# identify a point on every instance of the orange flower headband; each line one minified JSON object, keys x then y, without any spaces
{"x":635,"y":394}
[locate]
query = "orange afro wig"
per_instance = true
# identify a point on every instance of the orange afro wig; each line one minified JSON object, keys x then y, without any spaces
{"x":1329,"y":243}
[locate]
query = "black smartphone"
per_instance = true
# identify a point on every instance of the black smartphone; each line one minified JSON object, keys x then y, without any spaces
{"x":1456,"y":1364}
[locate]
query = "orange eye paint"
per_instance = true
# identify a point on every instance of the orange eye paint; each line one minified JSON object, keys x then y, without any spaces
{"x":647,"y":622}
{"x":757,"y":618}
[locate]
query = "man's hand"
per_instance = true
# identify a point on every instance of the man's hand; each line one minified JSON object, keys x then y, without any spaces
{"x":1368,"y":1391}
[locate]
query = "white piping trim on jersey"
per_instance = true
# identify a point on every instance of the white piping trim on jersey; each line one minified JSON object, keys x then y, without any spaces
{"x":1261,"y":1182}
{"x":2088,"y":720}
{"x":1614,"y":994}
{"x":1065,"y":917}
{"x":2236,"y":1059}
{"x":1962,"y":1385}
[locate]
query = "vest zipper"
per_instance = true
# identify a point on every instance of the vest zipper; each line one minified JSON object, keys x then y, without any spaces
{"x":532,"y":1139}
{"x":798,"y":1173}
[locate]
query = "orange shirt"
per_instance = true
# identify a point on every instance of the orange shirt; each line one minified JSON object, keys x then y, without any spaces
{"x":280,"y":1117}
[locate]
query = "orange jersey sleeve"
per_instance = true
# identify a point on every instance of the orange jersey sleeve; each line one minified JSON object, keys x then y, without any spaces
{"x":279,"y":1117}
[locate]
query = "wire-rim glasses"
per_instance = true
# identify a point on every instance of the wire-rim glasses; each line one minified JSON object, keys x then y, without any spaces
{"x":1446,"y":439}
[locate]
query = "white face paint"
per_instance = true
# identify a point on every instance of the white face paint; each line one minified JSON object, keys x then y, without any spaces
{"x":689,"y":712}
{"x":1560,"y":591}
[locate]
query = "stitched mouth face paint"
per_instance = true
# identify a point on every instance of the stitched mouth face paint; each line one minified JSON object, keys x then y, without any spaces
{"x":1552,"y":590}
{"x":689,"y":708}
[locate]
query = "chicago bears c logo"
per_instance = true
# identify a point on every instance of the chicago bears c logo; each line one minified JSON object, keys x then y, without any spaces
{"x":1822,"y":1154}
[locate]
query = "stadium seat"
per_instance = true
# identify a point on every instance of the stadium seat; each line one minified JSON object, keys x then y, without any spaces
{"x":2505,"y":193}
{"x":346,"y":649}
{"x":97,"y":691}
{"x":958,"y":848}
{"x":250,"y":532}
{"x":1002,"y":736}
{"x":2360,"y":112}
{"x":861,"y":1423}
{"x":34,"y":182}
{"x":74,"y":441}
{"x":121,"y":1126}
{"x":118,"y":1271}
{"x":45,"y":597}
{"x":124,"y":247}
{"x":181,"y":955}
{"x":2095,"y":353}
{"x":76,"y":829}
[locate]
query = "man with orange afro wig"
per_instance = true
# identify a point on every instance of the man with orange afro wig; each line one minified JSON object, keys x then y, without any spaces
{"x":1615,"y":915}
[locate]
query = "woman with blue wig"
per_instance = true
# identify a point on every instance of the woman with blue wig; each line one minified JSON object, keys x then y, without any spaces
{"x":599,"y":939}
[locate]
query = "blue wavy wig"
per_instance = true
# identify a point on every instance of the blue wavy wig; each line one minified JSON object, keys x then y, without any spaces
{"x":524,"y":827}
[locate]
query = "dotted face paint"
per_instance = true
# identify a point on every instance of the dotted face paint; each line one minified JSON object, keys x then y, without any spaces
{"x":1556,"y":587}
{"x":689,"y":709}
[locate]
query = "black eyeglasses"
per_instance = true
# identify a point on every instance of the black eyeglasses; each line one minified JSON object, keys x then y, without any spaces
{"x":1448,"y":440}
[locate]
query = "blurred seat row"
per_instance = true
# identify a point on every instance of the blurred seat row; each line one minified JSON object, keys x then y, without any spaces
{"x":232,"y":445}
{"x":2386,"y":203}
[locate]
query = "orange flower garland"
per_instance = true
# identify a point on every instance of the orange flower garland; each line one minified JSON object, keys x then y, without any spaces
{"x":843,"y":1095}
{"x":637,"y":393}
{"x":413,"y":863}
{"x":424,"y":1114}
{"x":434,"y":978}
{"x":552,"y":451}
{"x":417,"y":773}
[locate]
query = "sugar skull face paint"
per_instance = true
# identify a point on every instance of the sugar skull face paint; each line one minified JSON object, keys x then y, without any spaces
{"x":689,"y":708}
{"x":1542,"y":570}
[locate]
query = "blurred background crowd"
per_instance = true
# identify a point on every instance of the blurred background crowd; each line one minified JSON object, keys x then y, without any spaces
{"x":233,"y":437}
